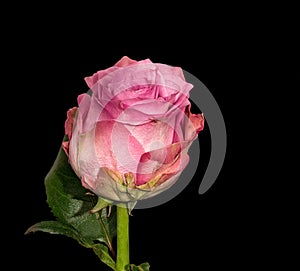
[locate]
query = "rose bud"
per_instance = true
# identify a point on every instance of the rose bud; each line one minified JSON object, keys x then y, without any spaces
{"x":128,"y":139}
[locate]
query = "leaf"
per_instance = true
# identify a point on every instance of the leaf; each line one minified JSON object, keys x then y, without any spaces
{"x":102,"y":252}
{"x":55,"y":227}
{"x":141,"y":267}
{"x":71,"y":203}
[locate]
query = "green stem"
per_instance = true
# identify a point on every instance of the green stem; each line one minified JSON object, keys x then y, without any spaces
{"x":122,"y":237}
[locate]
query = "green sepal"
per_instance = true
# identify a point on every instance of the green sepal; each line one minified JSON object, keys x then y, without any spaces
{"x":101,"y":203}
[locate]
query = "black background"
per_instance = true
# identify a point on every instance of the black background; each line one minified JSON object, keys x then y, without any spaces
{"x":51,"y":50}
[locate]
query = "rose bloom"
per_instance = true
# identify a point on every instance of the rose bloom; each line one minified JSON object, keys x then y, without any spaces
{"x":128,"y":139}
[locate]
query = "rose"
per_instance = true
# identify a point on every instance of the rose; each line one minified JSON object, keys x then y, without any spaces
{"x":128,"y":139}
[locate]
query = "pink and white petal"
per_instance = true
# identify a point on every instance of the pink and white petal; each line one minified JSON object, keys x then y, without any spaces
{"x":144,"y":111}
{"x":93,"y":79}
{"x":174,"y":79}
{"x":101,"y":141}
{"x":127,"y":149}
{"x":92,"y":110}
{"x":70,"y":121}
{"x":153,"y":135}
{"x":125,"y":61}
{"x":165,"y":172}
{"x":65,"y":147}
{"x":84,"y":103}
{"x":157,"y":161}
{"x":193,"y":124}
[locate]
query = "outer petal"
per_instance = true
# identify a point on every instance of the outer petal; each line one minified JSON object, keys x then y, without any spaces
{"x":86,"y":117}
{"x":125,"y":148}
{"x":160,"y":163}
{"x":193,"y":124}
{"x":69,"y":123}
{"x":153,"y":135}
{"x":166,"y":173}
{"x":123,"y":62}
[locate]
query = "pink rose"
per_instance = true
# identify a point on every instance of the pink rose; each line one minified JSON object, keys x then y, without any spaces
{"x":129,"y":136}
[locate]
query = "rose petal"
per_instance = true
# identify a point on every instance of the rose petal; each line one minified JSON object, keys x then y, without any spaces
{"x":125,"y":61}
{"x":194,"y":123}
{"x":143,"y":73}
{"x":153,"y":135}
{"x":163,"y":173}
{"x":168,"y":159}
{"x":126,"y":149}
{"x":70,"y":121}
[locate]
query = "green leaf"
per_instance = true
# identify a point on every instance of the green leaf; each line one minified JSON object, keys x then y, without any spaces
{"x":102,"y":252}
{"x":55,"y":227}
{"x":141,"y":267}
{"x":71,"y":203}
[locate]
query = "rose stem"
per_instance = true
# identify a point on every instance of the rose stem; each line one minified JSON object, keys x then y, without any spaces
{"x":122,"y":237}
